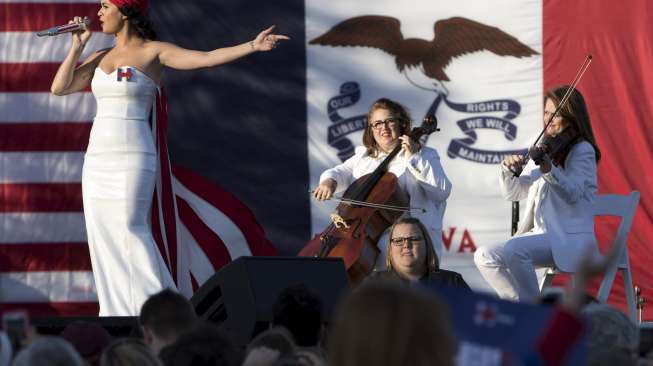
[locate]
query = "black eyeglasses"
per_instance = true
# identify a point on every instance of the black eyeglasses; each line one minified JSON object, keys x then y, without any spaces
{"x":408,"y":240}
{"x":390,"y":122}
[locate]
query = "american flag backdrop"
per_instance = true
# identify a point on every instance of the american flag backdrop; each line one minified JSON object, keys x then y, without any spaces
{"x":44,"y":258}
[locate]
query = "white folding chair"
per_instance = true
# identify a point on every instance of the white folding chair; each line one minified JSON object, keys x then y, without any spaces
{"x":623,"y":206}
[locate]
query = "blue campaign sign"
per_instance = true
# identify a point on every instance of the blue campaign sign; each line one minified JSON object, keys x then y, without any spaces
{"x":491,"y":331}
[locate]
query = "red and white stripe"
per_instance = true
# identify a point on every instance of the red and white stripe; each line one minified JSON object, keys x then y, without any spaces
{"x":44,"y":260}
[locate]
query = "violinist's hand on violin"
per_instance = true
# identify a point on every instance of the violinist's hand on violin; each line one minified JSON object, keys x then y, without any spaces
{"x":409,"y":146}
{"x":545,"y":164}
{"x":513,"y":162}
{"x":540,"y":158}
{"x":325,"y":190}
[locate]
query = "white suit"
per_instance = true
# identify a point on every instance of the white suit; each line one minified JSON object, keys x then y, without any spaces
{"x":421,"y":176}
{"x":558,"y":227}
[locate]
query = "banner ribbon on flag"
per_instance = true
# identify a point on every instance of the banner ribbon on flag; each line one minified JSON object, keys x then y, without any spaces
{"x":349,"y":95}
{"x":462,"y":147}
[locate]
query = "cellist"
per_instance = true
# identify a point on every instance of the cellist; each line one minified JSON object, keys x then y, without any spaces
{"x":417,"y":168}
{"x":560,"y":186}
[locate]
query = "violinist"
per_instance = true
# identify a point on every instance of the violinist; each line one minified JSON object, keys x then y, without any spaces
{"x":417,"y":168}
{"x":559,"y":184}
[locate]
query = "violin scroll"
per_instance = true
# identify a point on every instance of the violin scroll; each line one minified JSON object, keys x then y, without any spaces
{"x":429,"y":125}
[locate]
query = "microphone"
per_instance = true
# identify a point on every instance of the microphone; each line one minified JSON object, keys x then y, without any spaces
{"x":55,"y":31}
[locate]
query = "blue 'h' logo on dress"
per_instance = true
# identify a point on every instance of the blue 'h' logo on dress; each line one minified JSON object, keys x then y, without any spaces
{"x":126,"y":73}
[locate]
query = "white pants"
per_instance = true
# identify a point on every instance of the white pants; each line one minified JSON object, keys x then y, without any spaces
{"x":510,"y":268}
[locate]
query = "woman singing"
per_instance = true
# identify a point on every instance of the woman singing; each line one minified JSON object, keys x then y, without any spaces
{"x":418,"y":169}
{"x":558,"y":228}
{"x":121,"y":163}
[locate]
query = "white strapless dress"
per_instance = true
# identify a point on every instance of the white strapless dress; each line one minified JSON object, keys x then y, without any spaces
{"x":118,"y":180}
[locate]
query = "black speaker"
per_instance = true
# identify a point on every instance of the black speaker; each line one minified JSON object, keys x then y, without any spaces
{"x":240,"y":296}
{"x":116,"y":326}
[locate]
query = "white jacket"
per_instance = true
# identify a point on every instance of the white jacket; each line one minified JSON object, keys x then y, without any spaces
{"x":421,"y":176}
{"x":566,"y":198}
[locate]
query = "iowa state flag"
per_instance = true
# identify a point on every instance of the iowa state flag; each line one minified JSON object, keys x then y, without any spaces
{"x":264,"y":128}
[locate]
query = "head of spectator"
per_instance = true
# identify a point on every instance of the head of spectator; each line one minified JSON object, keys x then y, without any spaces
{"x":6,"y":351}
{"x":410,"y":249}
{"x":128,"y":352}
{"x":164,"y":316}
{"x":204,"y":345}
{"x":275,"y":338}
{"x":411,"y":258}
{"x":310,"y":357}
{"x":301,"y":358}
{"x":48,"y":351}
{"x":89,"y":339}
{"x":613,"y":338}
{"x":385,"y":323}
{"x":299,"y":310}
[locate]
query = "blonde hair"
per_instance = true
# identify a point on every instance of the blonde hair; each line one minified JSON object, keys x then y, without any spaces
{"x":432,"y":262}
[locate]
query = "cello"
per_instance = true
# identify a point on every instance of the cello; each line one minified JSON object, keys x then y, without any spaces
{"x":368,"y":207}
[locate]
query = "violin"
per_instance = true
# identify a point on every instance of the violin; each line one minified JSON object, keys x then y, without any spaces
{"x":370,"y":205}
{"x":556,"y":147}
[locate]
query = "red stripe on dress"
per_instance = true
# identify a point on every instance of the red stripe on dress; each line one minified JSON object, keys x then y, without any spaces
{"x":156,"y":231}
{"x":44,"y":257}
{"x":44,"y":136}
{"x":43,"y":309}
{"x":167,"y":193}
{"x":32,"y":17}
{"x":28,"y":77}
{"x":210,"y":243}
{"x":40,"y":197}
{"x":228,"y":204}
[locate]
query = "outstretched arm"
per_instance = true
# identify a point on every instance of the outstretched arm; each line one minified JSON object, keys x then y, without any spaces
{"x":182,"y":59}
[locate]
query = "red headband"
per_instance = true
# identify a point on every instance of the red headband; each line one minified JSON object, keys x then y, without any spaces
{"x":141,"y":5}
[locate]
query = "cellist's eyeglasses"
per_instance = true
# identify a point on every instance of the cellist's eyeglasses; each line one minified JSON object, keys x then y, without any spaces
{"x":391,"y":122}
{"x":408,"y":240}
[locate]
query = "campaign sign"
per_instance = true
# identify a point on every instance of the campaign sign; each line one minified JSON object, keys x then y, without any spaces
{"x":491,"y":331}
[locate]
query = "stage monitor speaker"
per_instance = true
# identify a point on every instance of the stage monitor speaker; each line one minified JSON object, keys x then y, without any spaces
{"x":116,"y":326}
{"x":240,"y":296}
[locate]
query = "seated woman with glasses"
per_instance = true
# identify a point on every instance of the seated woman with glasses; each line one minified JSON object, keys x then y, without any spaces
{"x":411,"y":257}
{"x":417,"y":168}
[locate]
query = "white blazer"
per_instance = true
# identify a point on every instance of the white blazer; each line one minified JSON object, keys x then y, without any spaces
{"x":421,"y":176}
{"x":566,"y":198}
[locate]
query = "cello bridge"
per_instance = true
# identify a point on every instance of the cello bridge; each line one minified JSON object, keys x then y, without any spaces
{"x":339,"y":222}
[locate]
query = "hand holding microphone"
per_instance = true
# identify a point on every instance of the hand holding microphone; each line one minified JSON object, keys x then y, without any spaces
{"x":79,"y":27}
